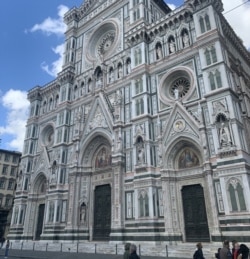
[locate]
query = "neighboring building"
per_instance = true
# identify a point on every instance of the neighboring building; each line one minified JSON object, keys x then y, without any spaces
{"x":144,"y":135}
{"x":9,"y":162}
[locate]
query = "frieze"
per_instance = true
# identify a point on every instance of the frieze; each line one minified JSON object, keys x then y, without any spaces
{"x":231,"y":171}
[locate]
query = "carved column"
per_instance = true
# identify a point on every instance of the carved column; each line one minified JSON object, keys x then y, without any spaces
{"x":211,"y":202}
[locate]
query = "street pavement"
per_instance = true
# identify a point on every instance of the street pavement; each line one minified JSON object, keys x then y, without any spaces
{"x":28,"y":254}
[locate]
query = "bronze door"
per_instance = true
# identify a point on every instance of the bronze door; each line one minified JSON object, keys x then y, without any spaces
{"x":39,"y":227}
{"x":195,"y":215}
{"x":102,"y":213}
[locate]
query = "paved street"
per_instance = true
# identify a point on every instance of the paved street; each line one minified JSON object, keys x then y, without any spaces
{"x":18,"y":254}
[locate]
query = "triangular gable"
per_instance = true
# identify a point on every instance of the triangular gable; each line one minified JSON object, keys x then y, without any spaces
{"x":43,"y":162}
{"x":98,"y":117}
{"x":181,"y":123}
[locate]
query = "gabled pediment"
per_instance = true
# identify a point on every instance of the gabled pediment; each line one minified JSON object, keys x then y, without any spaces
{"x":43,"y":162}
{"x":99,"y":116}
{"x":180,"y":124}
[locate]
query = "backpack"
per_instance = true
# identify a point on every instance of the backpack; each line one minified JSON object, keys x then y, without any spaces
{"x":217,"y":255}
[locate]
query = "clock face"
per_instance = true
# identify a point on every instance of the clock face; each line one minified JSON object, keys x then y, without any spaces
{"x":179,"y":125}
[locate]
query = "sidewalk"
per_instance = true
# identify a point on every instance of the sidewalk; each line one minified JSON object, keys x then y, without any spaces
{"x":29,"y":254}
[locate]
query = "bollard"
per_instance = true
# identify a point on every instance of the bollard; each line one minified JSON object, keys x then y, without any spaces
{"x":61,"y":247}
{"x":167,"y":251}
{"x":116,"y":249}
{"x":34,"y":246}
{"x":22,"y":246}
{"x":139,"y":250}
{"x":47,"y":247}
{"x":95,"y":248}
{"x":77,"y":247}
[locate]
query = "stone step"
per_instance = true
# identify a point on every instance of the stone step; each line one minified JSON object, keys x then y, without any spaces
{"x":181,"y":250}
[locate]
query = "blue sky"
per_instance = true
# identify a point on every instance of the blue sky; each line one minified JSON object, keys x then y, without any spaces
{"x":31,"y":46}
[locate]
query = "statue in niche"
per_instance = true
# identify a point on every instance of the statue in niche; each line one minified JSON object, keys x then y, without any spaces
{"x":128,"y":68}
{"x":89,"y":85}
{"x":83,"y":210}
{"x":188,"y":159}
{"x":185,"y":39}
{"x":171,"y":46}
{"x":119,"y":71}
{"x":224,"y":135}
{"x":140,"y":155}
{"x":159,"y":52}
{"x":103,"y":158}
{"x":111,"y":76}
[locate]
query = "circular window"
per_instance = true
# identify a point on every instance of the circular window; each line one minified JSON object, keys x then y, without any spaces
{"x":48,"y":136}
{"x":103,"y":40}
{"x":182,"y":85}
{"x":177,"y":83}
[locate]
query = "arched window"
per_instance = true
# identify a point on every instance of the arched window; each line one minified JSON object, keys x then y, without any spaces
{"x":202,"y":24}
{"x":128,"y":66}
{"x":208,"y":58}
{"x":207,"y":22}
{"x":236,"y":195}
{"x":212,"y":81}
{"x":143,"y":205}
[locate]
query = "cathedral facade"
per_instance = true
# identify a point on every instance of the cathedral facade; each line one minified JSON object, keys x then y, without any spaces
{"x":143,"y":136}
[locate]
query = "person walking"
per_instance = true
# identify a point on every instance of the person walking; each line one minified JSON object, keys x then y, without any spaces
{"x":235,"y":249}
{"x":126,"y":252}
{"x":243,"y":252}
{"x":225,"y":252}
{"x":7,"y":247}
{"x":198,"y":253}
{"x":133,"y":254}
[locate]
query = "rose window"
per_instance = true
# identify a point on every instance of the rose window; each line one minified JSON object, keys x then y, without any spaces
{"x":106,"y":43}
{"x":182,"y":85}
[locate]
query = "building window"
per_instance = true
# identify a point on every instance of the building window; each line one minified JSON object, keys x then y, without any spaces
{"x":5,"y":169}
{"x":62,"y":178}
{"x":2,"y":183}
{"x":210,"y":55}
{"x":215,"y":80}
{"x":236,"y":195}
{"x":11,"y":185}
{"x":205,"y":23}
{"x":59,"y":136}
{"x":130,"y":205}
{"x":136,"y":14}
{"x":138,"y":57}
{"x":143,"y":204}
{"x":138,"y":86}
{"x":7,"y":158}
{"x":15,"y":159}
{"x":8,"y":202}
{"x":139,"y":103}
{"x":15,"y":215}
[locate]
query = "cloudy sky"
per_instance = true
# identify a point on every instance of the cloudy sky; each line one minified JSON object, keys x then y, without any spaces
{"x":31,"y":49}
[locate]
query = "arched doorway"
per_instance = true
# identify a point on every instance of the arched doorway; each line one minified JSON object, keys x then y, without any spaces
{"x":195,"y":215}
{"x":40,"y":190}
{"x":102,"y":212}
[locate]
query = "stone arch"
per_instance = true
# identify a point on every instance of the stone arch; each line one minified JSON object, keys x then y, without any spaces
{"x":91,"y":145}
{"x":183,"y":148}
{"x":39,"y":184}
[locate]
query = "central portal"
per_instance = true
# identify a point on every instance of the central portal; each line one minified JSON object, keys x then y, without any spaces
{"x":102,"y":213}
{"x":195,"y":215}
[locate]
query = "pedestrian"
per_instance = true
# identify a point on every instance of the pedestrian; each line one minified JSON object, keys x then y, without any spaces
{"x":243,"y":252}
{"x":198,"y":254}
{"x":126,"y":252}
{"x":235,"y":249}
{"x":2,"y":240}
{"x":7,"y":247}
{"x":133,"y":254}
{"x":225,"y":252}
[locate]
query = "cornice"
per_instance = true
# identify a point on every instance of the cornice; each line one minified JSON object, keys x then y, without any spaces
{"x":67,"y":75}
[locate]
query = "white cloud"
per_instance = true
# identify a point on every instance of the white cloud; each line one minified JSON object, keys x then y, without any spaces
{"x":16,"y":104}
{"x":56,"y":66}
{"x":239,"y":18}
{"x":53,"y":26}
{"x":172,"y":6}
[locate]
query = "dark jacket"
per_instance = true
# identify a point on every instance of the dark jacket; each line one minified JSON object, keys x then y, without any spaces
{"x":134,"y":256}
{"x":225,"y":253}
{"x":198,"y":254}
{"x":244,"y":251}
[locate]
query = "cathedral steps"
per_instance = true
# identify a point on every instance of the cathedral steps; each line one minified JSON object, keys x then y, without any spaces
{"x":180,"y":250}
